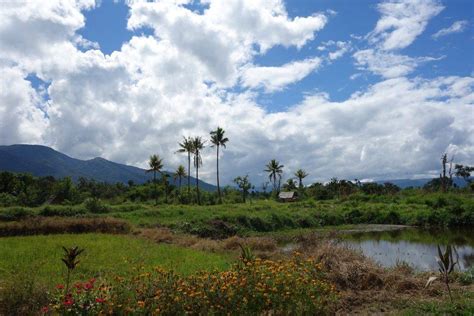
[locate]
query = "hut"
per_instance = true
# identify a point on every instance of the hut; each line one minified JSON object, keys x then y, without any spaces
{"x":290,"y":196}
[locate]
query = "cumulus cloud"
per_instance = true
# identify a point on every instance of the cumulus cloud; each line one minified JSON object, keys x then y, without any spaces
{"x":402,"y":22}
{"x":143,"y":98}
{"x":225,"y":35}
{"x":388,"y":65}
{"x":276,"y":78}
{"x":456,"y":27}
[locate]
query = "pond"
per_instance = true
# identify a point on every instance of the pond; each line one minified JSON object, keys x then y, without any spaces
{"x":415,"y":246}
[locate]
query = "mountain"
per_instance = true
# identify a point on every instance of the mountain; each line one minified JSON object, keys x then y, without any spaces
{"x":43,"y":161}
{"x":404,"y":183}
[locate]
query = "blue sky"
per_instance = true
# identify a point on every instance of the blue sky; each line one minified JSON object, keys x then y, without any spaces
{"x":352,"y":89}
{"x":106,"y":24}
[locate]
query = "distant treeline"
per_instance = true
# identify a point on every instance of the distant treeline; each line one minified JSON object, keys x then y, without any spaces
{"x":27,"y":190}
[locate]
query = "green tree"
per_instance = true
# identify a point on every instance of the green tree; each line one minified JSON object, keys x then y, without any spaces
{"x":156,"y":164}
{"x":464,"y":172}
{"x":290,"y":185}
{"x":187,"y":147}
{"x":301,"y":174}
{"x":179,"y":174}
{"x":198,"y":146}
{"x":275,"y":171}
{"x":217,"y":140}
{"x":244,"y":184}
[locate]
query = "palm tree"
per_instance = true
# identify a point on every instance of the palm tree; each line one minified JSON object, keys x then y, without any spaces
{"x":198,"y":146}
{"x":156,"y":164}
{"x":218,"y":139}
{"x":179,"y":174}
{"x":301,"y":174}
{"x":274,"y":170}
{"x":187,"y":147}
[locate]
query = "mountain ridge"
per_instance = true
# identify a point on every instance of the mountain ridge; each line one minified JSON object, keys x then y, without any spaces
{"x":40,"y":160}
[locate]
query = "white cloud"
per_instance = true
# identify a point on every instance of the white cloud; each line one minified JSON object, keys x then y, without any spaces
{"x":276,"y":78}
{"x":141,"y":99}
{"x":223,"y":38}
{"x":20,"y":118}
{"x":388,"y":65}
{"x":402,"y":22}
{"x":456,"y":27}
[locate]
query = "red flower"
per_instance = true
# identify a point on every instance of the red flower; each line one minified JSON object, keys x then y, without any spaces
{"x":68,"y":302}
{"x":60,"y":286}
{"x":45,"y":309}
{"x":88,"y":286}
{"x":99,"y":300}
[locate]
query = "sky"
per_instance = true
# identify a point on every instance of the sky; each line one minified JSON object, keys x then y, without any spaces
{"x":341,"y":88}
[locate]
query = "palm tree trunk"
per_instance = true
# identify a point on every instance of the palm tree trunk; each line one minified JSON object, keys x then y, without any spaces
{"x":197,"y":179}
{"x":156,"y":189}
{"x":189,"y":174}
{"x":218,"y":186}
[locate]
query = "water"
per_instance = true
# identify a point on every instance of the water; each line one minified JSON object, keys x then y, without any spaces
{"x":415,"y":246}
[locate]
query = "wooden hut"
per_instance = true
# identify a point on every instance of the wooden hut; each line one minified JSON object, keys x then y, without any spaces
{"x":288,"y":196}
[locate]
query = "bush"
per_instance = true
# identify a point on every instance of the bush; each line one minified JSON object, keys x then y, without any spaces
{"x":95,"y":205}
{"x":7,"y":199}
{"x":254,"y":287}
{"x":63,"y":211}
{"x":57,"y":225}
{"x":14,"y":214}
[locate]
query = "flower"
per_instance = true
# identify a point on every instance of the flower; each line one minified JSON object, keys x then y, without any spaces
{"x":100,"y":300}
{"x":68,"y":302}
{"x":45,"y":309}
{"x":60,"y":286}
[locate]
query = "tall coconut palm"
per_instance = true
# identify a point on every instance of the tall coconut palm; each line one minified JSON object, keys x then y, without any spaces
{"x":156,"y":164}
{"x":179,"y":174}
{"x":198,"y":146}
{"x":217,"y":140}
{"x":301,"y":174}
{"x":187,"y":147}
{"x":275,"y":171}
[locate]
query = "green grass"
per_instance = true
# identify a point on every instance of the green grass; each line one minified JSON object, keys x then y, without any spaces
{"x":104,"y":255}
{"x":463,"y":305}
{"x":264,"y":216}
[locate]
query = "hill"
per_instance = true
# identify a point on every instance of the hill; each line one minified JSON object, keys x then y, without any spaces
{"x":43,"y":161}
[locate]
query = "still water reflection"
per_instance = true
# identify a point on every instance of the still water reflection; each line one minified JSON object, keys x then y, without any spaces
{"x":415,"y":246}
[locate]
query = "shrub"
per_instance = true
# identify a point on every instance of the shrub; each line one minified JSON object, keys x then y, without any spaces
{"x":63,"y":211}
{"x":56,"y":225}
{"x":255,"y":287}
{"x":95,"y":205}
{"x":7,"y":199}
{"x":14,"y":214}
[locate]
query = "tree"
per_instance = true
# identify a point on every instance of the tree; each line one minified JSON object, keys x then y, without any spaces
{"x":446,"y":177}
{"x":217,"y":140}
{"x":244,"y":184}
{"x":179,"y":174}
{"x":198,"y":146}
{"x":275,"y":171}
{"x":300,"y":174}
{"x":290,"y":185}
{"x":464,"y":172}
{"x":156,"y":164}
{"x":187,"y":147}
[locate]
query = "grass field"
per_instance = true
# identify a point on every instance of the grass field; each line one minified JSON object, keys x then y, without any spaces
{"x":220,"y":221}
{"x":39,"y":256}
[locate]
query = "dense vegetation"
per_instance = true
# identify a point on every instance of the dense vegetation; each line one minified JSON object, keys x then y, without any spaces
{"x":127,"y":268}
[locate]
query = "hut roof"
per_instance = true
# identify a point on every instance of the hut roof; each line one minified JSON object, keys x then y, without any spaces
{"x":287,"y":195}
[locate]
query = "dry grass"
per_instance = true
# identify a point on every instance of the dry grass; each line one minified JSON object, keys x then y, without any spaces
{"x":260,"y":245}
{"x":364,"y":286}
{"x":59,"y":225}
